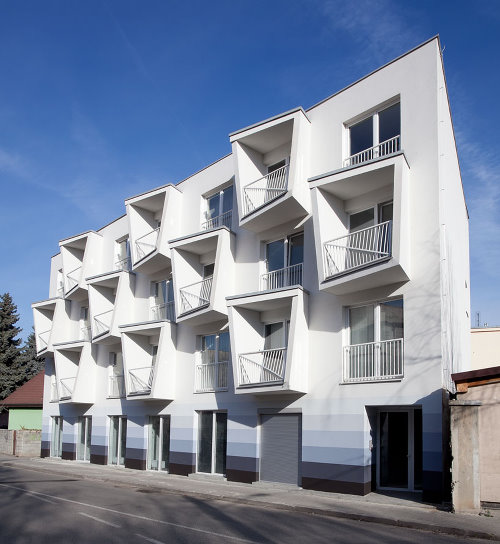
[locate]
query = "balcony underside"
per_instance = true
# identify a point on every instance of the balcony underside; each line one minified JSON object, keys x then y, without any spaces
{"x":152,"y":263}
{"x":201,"y":316}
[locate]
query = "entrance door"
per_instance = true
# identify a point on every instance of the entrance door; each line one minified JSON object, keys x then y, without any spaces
{"x":280,"y":448}
{"x":56,"y":442}
{"x":159,"y":442}
{"x":399,"y":452}
{"x":117,"y":440}
{"x":84,"y":438}
{"x":212,"y":442}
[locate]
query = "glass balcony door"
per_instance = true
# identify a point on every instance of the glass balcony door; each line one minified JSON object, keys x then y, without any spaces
{"x":284,"y":258}
{"x":212,"y":442}
{"x":84,"y":438}
{"x":159,"y":442}
{"x":117,"y":440}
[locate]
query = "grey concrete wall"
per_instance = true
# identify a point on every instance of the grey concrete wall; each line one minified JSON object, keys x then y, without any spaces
{"x":20,"y":443}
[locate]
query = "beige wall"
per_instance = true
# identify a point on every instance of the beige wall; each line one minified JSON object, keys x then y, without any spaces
{"x":485,"y":346}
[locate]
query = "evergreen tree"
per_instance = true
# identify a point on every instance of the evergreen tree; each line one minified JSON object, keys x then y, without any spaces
{"x":28,"y":364}
{"x":9,"y":345}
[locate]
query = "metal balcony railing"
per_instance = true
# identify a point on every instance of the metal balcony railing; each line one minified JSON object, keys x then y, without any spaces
{"x":102,"y":322}
{"x":381,"y":150}
{"x":43,"y":340}
{"x":146,"y":244}
{"x":196,"y":295}
{"x":73,"y":278}
{"x":260,"y":192}
{"x":116,"y":386}
{"x":358,"y":249}
{"x":373,"y":361}
{"x":223,"y":220}
{"x":211,"y":377}
{"x":262,"y":367}
{"x":122,"y":263}
{"x":164,"y":311}
{"x":284,"y":277}
{"x":141,"y":380}
{"x":85,"y":333}
{"x":67,"y":387}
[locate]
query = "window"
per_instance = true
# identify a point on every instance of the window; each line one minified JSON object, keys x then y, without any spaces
{"x":117,"y":440}
{"x":276,"y":335}
{"x":208,"y":270}
{"x":219,"y":208}
{"x":211,"y":373}
{"x":122,"y":255}
{"x":376,"y":136}
{"x":162,"y":303}
{"x":212,"y":442}
{"x":56,"y":438}
{"x":375,"y":349}
{"x":284,"y":259}
{"x":84,"y":438}
{"x":84,"y":323}
{"x":116,"y":378}
{"x":276,"y":166}
{"x":159,"y":443}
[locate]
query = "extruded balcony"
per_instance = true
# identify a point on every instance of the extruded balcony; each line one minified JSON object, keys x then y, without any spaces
{"x":122,"y":264}
{"x":85,"y":333}
{"x":374,"y":361}
{"x":73,"y":278}
{"x":357,"y":249}
{"x":223,"y":220}
{"x":264,"y":190}
{"x":67,"y":387}
{"x":383,"y":149}
{"x":43,"y":339}
{"x":102,"y":322}
{"x":211,"y":377}
{"x":196,"y":295}
{"x":161,"y":312}
{"x":262,"y":367}
{"x":146,"y":244}
{"x":284,"y":277}
{"x":116,"y":388}
{"x":141,"y":380}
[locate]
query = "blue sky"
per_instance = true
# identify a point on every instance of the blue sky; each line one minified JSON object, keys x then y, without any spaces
{"x":101,"y":100}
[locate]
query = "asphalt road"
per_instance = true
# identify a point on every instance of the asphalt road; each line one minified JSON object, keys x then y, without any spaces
{"x":39,"y":508}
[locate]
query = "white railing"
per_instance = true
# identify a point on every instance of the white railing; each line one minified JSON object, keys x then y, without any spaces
{"x":358,"y":249}
{"x":73,"y":278}
{"x":223,"y":220}
{"x":262,"y":367}
{"x":260,"y":192}
{"x":284,"y":277}
{"x":381,"y":150}
{"x":141,"y":380}
{"x":196,"y":295}
{"x":85,"y":333}
{"x":211,"y":377}
{"x":43,"y":338}
{"x":374,"y":361}
{"x":116,"y":386}
{"x":163,"y":311}
{"x":67,"y":386}
{"x":54,"y":395}
{"x":146,"y":244}
{"x":122,"y":263}
{"x":102,"y":322}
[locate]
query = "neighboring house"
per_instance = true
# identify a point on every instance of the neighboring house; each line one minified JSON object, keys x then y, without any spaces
{"x":485,"y":347}
{"x":476,"y":439}
{"x":25,"y":405}
{"x":291,"y":313}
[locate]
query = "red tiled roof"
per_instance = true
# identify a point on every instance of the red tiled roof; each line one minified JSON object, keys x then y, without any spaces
{"x":29,"y":394}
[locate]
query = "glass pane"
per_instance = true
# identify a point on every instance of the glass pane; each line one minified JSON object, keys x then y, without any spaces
{"x":389,"y":124}
{"x":213,"y":204}
{"x":208,"y":270}
{"x":220,"y":444}
{"x":227,"y":199}
{"x":208,"y":349}
{"x":274,"y":336}
{"x":205,"y":442}
{"x":165,"y":443}
{"x":154,"y":435}
{"x":391,"y":319}
{"x":154,"y":355}
{"x":275,"y":255}
{"x":296,"y":249}
{"x":80,"y":449}
{"x":276,"y":166}
{"x":224,"y":346}
{"x":170,"y":291}
{"x":361,"y":324}
{"x":361,"y":220}
{"x":361,"y":135}
{"x":160,"y":292}
{"x":123,"y":440}
{"x":88,"y":438}
{"x":385,"y":212}
{"x":113,"y":440}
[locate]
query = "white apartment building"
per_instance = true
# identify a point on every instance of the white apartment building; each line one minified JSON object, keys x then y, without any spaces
{"x":291,"y":313}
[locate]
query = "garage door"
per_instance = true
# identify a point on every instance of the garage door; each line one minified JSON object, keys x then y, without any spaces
{"x":280,"y":453}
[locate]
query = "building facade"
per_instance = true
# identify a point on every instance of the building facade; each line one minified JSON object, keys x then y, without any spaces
{"x":291,"y":313}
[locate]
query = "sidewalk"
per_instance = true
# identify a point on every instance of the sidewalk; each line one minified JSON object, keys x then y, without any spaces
{"x":401,"y":511}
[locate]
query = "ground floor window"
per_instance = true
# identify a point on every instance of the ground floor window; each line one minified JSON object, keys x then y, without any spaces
{"x":212,"y":441}
{"x":56,"y":439}
{"x":84,"y":438}
{"x":117,"y":440}
{"x":159,"y":442}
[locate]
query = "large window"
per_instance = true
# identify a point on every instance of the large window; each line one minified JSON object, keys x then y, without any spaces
{"x":284,"y":259}
{"x":117,"y":440}
{"x":212,"y":442}
{"x":56,"y":438}
{"x":211,"y":373}
{"x":159,"y":442}
{"x":162,"y":303}
{"x":84,"y":438}
{"x":219,"y":208}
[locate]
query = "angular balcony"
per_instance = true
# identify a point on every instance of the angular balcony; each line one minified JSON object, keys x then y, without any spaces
{"x":146,"y":244}
{"x":123,"y":264}
{"x":196,"y":296}
{"x":75,"y":366}
{"x":373,"y":362}
{"x":73,"y":278}
{"x":222,"y":220}
{"x":102,"y":322}
{"x":376,"y":152}
{"x":43,"y":340}
{"x":359,"y":249}
{"x":66,"y":387}
{"x":141,"y":380}
{"x":44,"y":318}
{"x":116,"y":386}
{"x":262,"y":367}
{"x":284,"y":277}
{"x":270,"y":159}
{"x":163,"y":312}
